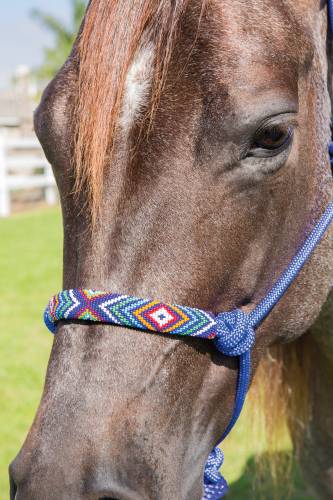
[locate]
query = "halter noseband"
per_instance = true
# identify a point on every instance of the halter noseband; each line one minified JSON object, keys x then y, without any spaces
{"x":233,"y":333}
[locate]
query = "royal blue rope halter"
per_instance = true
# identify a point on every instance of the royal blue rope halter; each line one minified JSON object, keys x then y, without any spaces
{"x":233,"y":333}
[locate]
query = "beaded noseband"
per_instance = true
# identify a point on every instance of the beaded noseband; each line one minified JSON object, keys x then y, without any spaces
{"x":233,"y":332}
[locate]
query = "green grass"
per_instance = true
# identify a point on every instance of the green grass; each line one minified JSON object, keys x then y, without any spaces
{"x":30,"y":271}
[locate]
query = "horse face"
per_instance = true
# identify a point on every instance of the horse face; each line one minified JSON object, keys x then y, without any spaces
{"x":206,"y":209}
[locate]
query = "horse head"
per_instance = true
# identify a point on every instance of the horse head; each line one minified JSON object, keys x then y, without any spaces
{"x":189,"y":144}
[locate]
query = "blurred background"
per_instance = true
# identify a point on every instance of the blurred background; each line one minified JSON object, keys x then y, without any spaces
{"x":35,"y":39}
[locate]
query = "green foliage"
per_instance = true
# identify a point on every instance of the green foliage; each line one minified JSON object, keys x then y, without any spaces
{"x":30,"y":271}
{"x":64,"y":36}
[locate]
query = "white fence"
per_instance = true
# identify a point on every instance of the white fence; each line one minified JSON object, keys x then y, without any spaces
{"x":23,"y":166}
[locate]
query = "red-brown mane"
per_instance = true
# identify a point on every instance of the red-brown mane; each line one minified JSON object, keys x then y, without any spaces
{"x":106,"y":48}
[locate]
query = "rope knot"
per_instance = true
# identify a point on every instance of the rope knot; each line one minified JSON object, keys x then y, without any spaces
{"x":213,"y":464}
{"x":215,"y":484}
{"x":234,"y":333}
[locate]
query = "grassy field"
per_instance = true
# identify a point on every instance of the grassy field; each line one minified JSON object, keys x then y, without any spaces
{"x":30,"y":271}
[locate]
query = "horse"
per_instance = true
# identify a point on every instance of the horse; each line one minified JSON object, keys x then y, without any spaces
{"x":188,"y":139}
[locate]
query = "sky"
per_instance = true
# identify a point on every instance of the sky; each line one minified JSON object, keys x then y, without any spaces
{"x":21,"y":38}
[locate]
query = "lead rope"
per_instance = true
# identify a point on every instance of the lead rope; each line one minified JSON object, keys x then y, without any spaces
{"x":235,"y":321}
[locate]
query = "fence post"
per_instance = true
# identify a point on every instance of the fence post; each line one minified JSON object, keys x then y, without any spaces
{"x":4,"y":190}
{"x":50,"y":190}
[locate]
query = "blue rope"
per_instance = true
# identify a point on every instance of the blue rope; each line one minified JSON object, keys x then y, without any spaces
{"x":288,"y":276}
{"x":241,"y":327}
{"x":330,"y":14}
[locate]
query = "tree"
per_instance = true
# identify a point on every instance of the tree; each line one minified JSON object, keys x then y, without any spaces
{"x":64,"y":36}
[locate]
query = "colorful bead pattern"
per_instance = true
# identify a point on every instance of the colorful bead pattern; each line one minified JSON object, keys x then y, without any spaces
{"x":125,"y":310}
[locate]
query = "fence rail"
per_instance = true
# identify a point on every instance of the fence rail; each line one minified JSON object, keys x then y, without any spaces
{"x":23,"y":166}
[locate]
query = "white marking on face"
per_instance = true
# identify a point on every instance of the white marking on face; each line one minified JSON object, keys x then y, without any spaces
{"x":137,"y":87}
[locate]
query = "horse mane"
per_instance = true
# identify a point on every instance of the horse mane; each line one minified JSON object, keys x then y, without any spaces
{"x":280,"y":399}
{"x":112,"y":32}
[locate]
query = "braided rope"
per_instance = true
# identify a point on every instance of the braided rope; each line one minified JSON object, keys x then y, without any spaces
{"x":216,"y":486}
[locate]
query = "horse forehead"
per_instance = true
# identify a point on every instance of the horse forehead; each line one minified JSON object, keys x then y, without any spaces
{"x":266,"y":31}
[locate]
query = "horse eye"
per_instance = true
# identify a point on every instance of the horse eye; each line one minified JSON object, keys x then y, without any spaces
{"x":273,"y":137}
